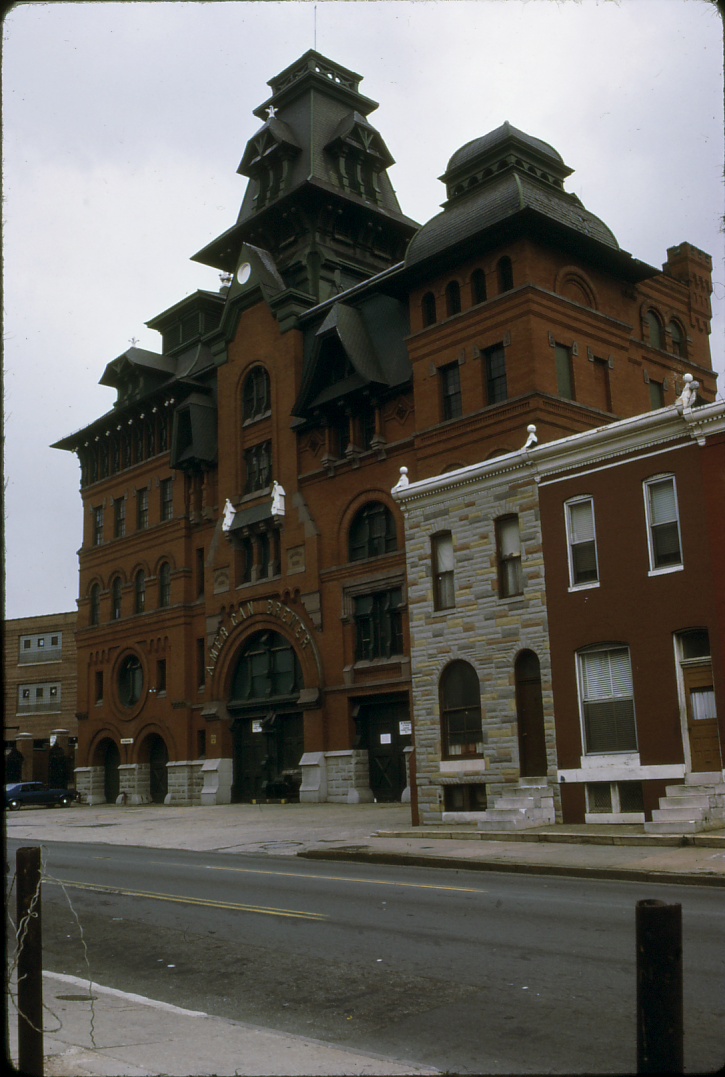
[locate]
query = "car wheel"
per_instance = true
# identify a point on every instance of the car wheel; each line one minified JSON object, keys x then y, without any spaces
{"x":14,"y":805}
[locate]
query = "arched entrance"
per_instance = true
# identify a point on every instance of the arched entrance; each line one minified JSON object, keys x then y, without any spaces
{"x":530,"y":715}
{"x":158,"y":757}
{"x":267,"y":723}
{"x":108,"y":756}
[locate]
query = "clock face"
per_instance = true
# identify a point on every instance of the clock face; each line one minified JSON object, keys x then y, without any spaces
{"x":244,"y":272}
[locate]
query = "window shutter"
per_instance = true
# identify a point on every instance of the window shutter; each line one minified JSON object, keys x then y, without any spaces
{"x":621,"y":673}
{"x":581,"y":522}
{"x":663,"y":506}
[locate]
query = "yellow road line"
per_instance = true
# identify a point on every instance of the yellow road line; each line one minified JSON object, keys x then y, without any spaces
{"x":347,"y":879}
{"x":232,"y":906}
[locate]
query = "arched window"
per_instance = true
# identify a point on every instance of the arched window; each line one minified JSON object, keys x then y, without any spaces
{"x":478,"y":286}
{"x":453,"y":298}
{"x":116,"y":598}
{"x":372,"y":532}
{"x":654,"y":326}
{"x":140,"y":591}
{"x":679,"y":341}
{"x":256,"y":394}
{"x":130,"y":681}
{"x":460,"y":703}
{"x":95,"y":604}
{"x":505,"y":274}
{"x":428,"y":309}
{"x":165,"y":585}
{"x":268,"y":668}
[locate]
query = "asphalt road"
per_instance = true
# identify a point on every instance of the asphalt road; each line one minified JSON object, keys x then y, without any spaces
{"x":464,"y":971}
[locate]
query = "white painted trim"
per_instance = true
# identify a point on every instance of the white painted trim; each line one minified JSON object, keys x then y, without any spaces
{"x":450,"y":767}
{"x":665,"y":571}
{"x":614,"y":817}
{"x":615,"y":773}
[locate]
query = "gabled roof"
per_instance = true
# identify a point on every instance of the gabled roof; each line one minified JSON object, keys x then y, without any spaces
{"x":136,"y":359}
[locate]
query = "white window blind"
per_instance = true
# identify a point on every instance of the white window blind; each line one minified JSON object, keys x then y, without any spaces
{"x":663,"y":505}
{"x":581,"y":521}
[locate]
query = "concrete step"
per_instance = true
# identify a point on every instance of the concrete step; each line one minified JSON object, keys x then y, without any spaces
{"x":716,"y":789}
{"x":674,"y":827}
{"x":675,"y":813}
{"x":523,"y":803}
{"x":693,"y":800}
{"x":519,"y":822}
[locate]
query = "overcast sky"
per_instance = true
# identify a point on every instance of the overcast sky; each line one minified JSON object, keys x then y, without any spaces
{"x":124,"y":124}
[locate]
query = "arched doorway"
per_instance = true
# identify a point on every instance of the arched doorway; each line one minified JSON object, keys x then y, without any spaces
{"x":267,"y":723}
{"x":158,"y":757}
{"x":530,"y":715}
{"x":109,"y":757}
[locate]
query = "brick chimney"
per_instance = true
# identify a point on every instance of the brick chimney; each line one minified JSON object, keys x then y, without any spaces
{"x":693,"y":267}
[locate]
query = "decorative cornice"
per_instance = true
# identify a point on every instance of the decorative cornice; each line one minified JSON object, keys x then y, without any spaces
{"x":624,"y":438}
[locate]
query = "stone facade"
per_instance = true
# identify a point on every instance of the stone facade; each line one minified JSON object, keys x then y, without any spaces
{"x":482,"y":628}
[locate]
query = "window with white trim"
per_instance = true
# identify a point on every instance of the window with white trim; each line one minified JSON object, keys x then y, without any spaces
{"x":663,"y":523}
{"x":582,"y":542}
{"x":444,"y":597}
{"x":607,"y":700}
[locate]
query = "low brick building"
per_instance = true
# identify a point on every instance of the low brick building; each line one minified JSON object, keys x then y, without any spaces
{"x":40,"y":673}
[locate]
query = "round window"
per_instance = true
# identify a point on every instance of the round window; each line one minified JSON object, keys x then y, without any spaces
{"x":130,"y":681}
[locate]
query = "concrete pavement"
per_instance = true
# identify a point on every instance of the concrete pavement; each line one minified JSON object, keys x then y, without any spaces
{"x":116,"y":1034}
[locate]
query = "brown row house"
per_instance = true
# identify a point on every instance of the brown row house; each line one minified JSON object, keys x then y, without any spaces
{"x":243,"y":609}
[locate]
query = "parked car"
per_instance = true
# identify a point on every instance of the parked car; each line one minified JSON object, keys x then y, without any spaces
{"x":23,"y":794}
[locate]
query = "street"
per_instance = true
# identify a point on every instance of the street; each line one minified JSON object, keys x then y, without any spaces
{"x":471,"y":972}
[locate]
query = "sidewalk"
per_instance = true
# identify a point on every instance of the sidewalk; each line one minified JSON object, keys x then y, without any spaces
{"x":382,"y":833}
{"x":122,"y":1035}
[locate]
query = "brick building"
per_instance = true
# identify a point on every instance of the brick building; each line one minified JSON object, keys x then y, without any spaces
{"x":243,"y":612}
{"x":40,"y":673}
{"x":567,"y":629}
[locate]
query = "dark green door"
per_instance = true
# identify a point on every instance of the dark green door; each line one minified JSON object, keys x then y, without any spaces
{"x":386,"y":731}
{"x":267,"y":753}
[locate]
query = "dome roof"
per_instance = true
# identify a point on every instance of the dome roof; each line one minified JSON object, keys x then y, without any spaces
{"x":504,"y":176}
{"x":506,"y":133}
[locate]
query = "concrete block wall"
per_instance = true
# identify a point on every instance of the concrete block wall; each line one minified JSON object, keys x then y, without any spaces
{"x":185,"y":782}
{"x":482,"y":629}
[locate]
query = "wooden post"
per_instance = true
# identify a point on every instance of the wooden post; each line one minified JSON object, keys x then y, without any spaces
{"x":30,"y":962}
{"x":659,"y":988}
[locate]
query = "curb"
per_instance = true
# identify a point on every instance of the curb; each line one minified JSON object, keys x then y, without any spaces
{"x":615,"y":874}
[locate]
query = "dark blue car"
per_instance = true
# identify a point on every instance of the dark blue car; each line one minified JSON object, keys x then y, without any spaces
{"x":24,"y":794}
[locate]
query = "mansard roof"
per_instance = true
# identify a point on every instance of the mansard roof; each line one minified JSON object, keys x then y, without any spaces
{"x":506,"y":184}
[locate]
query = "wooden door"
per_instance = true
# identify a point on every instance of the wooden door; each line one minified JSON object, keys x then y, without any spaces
{"x":701,"y":716}
{"x":530,"y":716}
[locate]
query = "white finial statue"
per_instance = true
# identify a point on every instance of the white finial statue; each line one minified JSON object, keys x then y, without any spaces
{"x":229,"y":513}
{"x":403,"y":481}
{"x":688,"y":396}
{"x":532,"y":439}
{"x":278,"y":499}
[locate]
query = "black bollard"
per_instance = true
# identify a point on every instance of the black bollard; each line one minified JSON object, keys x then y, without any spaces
{"x":30,"y":963}
{"x":659,"y":988}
